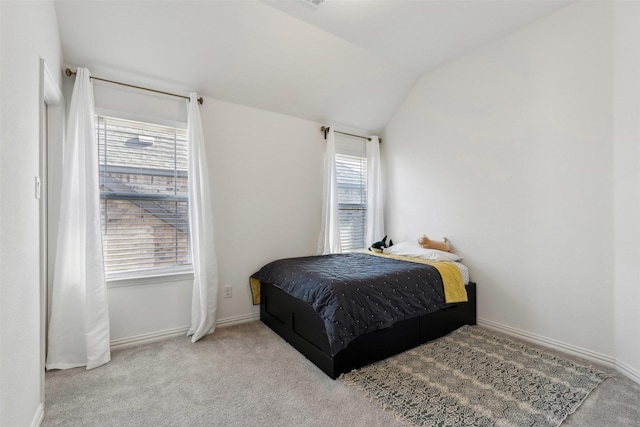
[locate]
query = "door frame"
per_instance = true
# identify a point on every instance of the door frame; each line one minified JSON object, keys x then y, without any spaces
{"x":52,"y":117}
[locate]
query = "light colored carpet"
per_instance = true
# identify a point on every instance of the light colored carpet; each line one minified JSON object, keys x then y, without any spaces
{"x":242,"y":375}
{"x":246,"y":375}
{"x":474,"y":377}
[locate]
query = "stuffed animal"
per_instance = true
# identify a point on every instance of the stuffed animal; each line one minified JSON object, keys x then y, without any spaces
{"x":427,"y":243}
{"x":379,"y":246}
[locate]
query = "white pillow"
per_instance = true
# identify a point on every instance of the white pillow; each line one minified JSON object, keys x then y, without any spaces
{"x":413,"y":249}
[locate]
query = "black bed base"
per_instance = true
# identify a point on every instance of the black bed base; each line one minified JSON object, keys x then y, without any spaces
{"x":296,"y":322}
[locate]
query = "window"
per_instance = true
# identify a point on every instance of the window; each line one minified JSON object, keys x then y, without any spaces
{"x":144,"y":196}
{"x":351,"y":178}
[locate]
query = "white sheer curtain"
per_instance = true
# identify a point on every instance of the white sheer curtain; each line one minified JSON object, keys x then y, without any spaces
{"x":79,"y":324}
{"x":205,"y":265}
{"x":375,"y":214}
{"x":329,"y":241}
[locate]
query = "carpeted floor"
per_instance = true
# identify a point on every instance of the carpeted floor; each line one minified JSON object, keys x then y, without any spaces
{"x":245,"y":375}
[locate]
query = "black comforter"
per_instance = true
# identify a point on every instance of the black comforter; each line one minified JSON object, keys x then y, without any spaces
{"x":357,"y":293}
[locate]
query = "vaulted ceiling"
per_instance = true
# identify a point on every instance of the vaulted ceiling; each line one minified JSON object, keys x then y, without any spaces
{"x":350,"y":62}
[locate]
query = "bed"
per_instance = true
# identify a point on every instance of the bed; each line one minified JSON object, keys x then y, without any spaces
{"x":345,"y":311}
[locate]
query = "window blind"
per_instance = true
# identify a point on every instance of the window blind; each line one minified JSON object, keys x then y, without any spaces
{"x":144,"y":195}
{"x":351,"y":179}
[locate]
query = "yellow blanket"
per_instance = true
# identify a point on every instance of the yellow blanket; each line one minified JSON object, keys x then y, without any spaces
{"x":454,"y":290}
{"x":255,"y":290}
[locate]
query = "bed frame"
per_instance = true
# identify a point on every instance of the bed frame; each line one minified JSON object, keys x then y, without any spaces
{"x":297,"y":322}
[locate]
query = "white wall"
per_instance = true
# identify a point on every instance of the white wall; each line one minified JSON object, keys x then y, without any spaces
{"x":508,"y":152}
{"x":28,"y":32}
{"x":627,"y":188}
{"x":266,"y":179}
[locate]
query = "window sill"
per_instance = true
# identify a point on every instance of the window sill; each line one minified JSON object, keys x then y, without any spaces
{"x":150,"y":278}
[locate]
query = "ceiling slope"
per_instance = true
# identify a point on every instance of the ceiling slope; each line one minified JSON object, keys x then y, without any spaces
{"x":347,"y":62}
{"x":420,"y":35}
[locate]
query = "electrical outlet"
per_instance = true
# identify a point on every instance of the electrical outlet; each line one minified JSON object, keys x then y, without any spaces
{"x":227,"y":292}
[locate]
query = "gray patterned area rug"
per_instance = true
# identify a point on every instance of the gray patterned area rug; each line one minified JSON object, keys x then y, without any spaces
{"x":473,"y":377}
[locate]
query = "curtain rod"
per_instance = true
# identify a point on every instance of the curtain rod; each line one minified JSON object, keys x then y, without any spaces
{"x":70,"y":73}
{"x":325,"y":129}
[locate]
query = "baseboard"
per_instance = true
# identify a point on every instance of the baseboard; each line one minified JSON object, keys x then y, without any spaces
{"x":39,"y":416}
{"x":550,"y":343}
{"x":148,"y":338}
{"x":628,"y":371}
{"x":236,"y":320}
{"x":178,"y":332}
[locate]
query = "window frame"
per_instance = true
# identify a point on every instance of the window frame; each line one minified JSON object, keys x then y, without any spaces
{"x":353,"y":147}
{"x":154,"y":274}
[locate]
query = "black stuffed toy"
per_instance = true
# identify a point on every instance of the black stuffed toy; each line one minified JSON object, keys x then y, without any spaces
{"x":379,"y":246}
